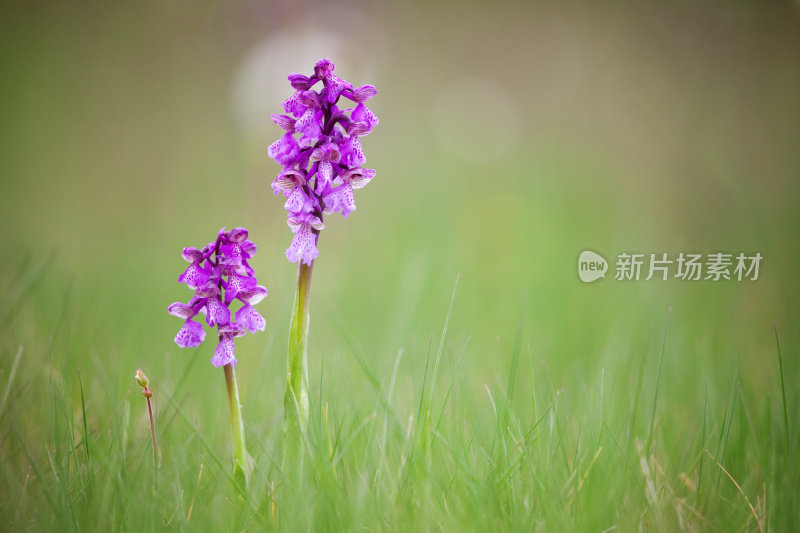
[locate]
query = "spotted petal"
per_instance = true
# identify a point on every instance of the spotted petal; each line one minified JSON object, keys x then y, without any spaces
{"x":310,"y":125}
{"x":236,"y":284}
{"x":298,"y":202}
{"x":340,"y":200}
{"x":352,"y":153}
{"x":250,"y":319}
{"x":218,"y":314}
{"x":225,"y":354}
{"x":195,"y":276}
{"x":190,"y":335}
{"x":324,"y":175}
{"x":362,"y":120}
{"x":304,"y":245}
{"x":335,"y":87}
{"x":294,"y":105}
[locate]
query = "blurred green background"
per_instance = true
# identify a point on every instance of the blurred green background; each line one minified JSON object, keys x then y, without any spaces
{"x":512,"y":137}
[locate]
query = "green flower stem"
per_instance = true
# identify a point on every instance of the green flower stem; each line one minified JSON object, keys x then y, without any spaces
{"x":237,"y":427}
{"x":155,"y":447}
{"x":295,"y":400}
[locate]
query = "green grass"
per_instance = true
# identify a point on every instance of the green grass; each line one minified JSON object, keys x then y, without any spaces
{"x":394,"y":446}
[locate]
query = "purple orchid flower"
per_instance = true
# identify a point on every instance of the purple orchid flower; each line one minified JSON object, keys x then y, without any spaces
{"x":219,"y":274}
{"x":323,"y":166}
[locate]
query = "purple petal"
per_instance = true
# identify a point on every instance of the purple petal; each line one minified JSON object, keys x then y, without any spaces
{"x":357,"y":128}
{"x":181,"y":310}
{"x":288,"y":179}
{"x":300,"y":82}
{"x":324,"y":68}
{"x":357,"y":177}
{"x":304,"y":246}
{"x":190,"y":335}
{"x":233,"y":329}
{"x":284,"y":121}
{"x":340,"y":200}
{"x":195,"y":276}
{"x":249,"y":248}
{"x":298,"y":202}
{"x":294,"y":105}
{"x":364,"y":93}
{"x":296,"y":220}
{"x":334,"y":154}
{"x":310,"y":98}
{"x":362,"y":116}
{"x":326,"y":152}
{"x":237,"y":284}
{"x":225,"y":353}
{"x":285,"y":150}
{"x":362,"y":113}
{"x":250,"y":319}
{"x":209,"y":289}
{"x":352,"y":153}
{"x":324,"y":174}
{"x":237,"y":253}
{"x":193,"y":255}
{"x":238,"y":235}
{"x":310,"y":125}
{"x":336,"y":86}
{"x":233,"y":253}
{"x":218,"y":314}
{"x":253,"y":295}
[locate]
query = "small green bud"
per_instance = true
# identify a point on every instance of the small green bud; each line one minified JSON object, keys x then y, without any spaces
{"x":141,"y":379}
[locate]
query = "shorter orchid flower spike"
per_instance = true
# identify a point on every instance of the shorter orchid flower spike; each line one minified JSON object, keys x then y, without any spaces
{"x":220,"y":274}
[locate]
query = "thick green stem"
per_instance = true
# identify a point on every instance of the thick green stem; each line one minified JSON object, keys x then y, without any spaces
{"x":237,"y":427}
{"x":295,"y":400}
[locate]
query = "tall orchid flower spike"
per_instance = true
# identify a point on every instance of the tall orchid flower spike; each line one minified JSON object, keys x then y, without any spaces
{"x":220,"y":274}
{"x":321,"y":159}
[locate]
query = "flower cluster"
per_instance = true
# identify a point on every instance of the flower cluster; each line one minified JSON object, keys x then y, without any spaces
{"x":219,"y":274}
{"x":322,"y":166}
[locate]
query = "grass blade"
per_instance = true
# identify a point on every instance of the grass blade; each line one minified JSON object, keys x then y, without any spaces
{"x":658,"y":380}
{"x":783,"y":385}
{"x":11,"y":376}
